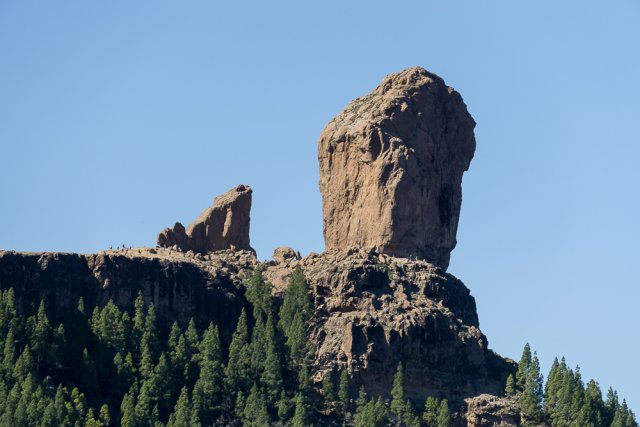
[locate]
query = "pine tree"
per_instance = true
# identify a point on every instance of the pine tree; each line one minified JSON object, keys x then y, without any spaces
{"x":284,"y":407}
{"x":591,"y":413}
{"x":255,"y":409}
{"x":362,"y":397}
{"x":398,"y":403}
{"x":162,"y":386}
{"x":210,"y":381}
{"x":300,"y":417}
{"x":328,"y":388}
{"x":105,"y":416}
{"x":237,"y":372}
{"x":304,"y":383}
{"x":523,"y":367}
{"x":430,"y":414}
{"x":138,"y":319}
{"x":39,"y":340}
{"x":181,"y":416}
{"x":611,"y":405}
{"x":296,"y":310}
{"x":510,"y":388}
{"x":192,"y":340}
{"x":344,"y":395}
{"x":372,"y":414}
{"x":259,"y":295}
{"x":444,"y":416}
{"x":531,"y":397}
{"x":272,"y":372}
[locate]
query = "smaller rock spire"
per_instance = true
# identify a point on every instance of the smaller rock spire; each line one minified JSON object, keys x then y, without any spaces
{"x":225,"y":225}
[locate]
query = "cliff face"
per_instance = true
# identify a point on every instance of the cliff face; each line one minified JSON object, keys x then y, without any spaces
{"x":374,"y":311}
{"x":180,"y":287}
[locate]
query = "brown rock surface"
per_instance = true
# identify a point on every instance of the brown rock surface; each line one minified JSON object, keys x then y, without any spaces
{"x":225,"y":225}
{"x":490,"y":411}
{"x":285,"y":254}
{"x":374,"y":311}
{"x":391,"y":168}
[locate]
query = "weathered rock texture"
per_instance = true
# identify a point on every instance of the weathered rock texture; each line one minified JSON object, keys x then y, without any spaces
{"x":391,"y":168}
{"x":374,"y":311}
{"x":492,"y":411}
{"x":180,"y":286}
{"x":225,"y":225}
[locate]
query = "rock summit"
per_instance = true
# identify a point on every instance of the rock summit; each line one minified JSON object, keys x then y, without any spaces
{"x":391,"y":168}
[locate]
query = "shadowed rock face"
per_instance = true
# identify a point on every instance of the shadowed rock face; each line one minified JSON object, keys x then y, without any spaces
{"x":181,"y":287}
{"x":225,"y":225}
{"x":391,"y":168}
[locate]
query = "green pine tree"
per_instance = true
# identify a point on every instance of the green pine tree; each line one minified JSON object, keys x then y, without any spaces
{"x":284,"y":407}
{"x":510,"y":388}
{"x":210,"y":382}
{"x":181,"y":416}
{"x":305,"y":387}
{"x":238,"y":370}
{"x":523,"y":367}
{"x":444,"y":416}
{"x":398,"y":403}
{"x":301,"y":416}
{"x":255,"y":410}
{"x":328,"y":388}
{"x":430,"y":414}
{"x":272,"y":372}
{"x":373,"y":413}
{"x":344,"y":395}
{"x":295,"y":312}
{"x":532,"y":394}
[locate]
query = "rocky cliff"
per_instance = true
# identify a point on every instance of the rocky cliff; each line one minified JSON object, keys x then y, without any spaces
{"x":391,"y":168}
{"x":372,"y":311}
{"x":181,"y":287}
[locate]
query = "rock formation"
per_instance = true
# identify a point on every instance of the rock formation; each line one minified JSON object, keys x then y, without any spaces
{"x":180,"y":286}
{"x":486,"y":410}
{"x":391,"y":168}
{"x":225,"y":225}
{"x":374,"y":311}
{"x":285,"y":254}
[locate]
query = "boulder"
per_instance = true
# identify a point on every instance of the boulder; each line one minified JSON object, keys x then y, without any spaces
{"x":225,"y":225}
{"x":391,"y":168}
{"x":285,"y":254}
{"x":487,"y":410}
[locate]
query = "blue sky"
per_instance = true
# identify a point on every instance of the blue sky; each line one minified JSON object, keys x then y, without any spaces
{"x":119,"y":118}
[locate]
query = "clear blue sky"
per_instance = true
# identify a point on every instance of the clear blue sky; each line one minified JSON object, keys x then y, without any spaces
{"x":119,"y":118}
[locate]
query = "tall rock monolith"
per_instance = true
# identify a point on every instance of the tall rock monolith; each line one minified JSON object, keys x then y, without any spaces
{"x":391,"y":168}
